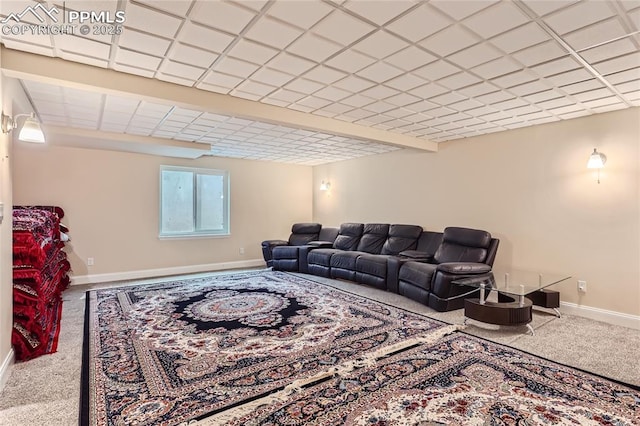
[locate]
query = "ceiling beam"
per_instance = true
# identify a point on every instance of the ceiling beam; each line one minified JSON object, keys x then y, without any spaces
{"x":110,"y":141}
{"x":28,"y":66}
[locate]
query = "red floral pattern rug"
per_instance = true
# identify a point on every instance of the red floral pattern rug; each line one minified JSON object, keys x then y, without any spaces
{"x":175,"y":352}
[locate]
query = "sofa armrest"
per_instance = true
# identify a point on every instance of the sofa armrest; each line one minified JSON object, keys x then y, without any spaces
{"x":416,"y":255}
{"x":463,"y":268}
{"x":274,"y":243}
{"x":320,"y":244}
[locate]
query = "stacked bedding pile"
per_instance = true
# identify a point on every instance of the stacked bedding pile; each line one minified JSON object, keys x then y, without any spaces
{"x":40,"y":270}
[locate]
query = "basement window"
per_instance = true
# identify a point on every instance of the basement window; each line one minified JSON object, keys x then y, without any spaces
{"x":193,"y":202}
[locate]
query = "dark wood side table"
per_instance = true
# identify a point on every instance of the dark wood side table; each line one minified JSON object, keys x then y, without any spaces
{"x":517,"y":291}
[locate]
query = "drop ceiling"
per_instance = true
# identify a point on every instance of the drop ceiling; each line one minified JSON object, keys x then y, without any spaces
{"x":428,"y":70}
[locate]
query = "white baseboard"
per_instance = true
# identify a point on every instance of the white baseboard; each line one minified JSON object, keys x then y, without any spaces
{"x":611,"y":317}
{"x":150,"y":273}
{"x":5,"y":368}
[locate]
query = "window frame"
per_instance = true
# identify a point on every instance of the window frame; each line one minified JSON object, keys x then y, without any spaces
{"x":225,"y":232}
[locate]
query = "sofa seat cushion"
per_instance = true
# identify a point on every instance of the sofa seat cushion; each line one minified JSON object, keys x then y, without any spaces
{"x":285,"y":252}
{"x":345,"y":259}
{"x":417,"y":274}
{"x":321,"y":256}
{"x":372,"y":264}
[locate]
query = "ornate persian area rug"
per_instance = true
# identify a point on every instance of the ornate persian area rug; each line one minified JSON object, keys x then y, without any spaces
{"x":457,"y":380}
{"x":193,"y":350}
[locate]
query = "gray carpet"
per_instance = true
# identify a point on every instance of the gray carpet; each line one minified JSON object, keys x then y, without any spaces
{"x":46,"y":391}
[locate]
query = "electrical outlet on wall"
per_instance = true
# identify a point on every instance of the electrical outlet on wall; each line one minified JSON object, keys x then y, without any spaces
{"x":582,"y":286}
{"x":241,"y":250}
{"x":90,"y":261}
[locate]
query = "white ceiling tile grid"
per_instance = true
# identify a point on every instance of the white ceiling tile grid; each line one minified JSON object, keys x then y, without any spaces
{"x":438,"y":70}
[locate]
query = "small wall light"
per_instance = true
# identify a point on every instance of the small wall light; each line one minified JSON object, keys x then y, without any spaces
{"x":596,"y":161}
{"x":30,"y":131}
{"x":325,"y":186}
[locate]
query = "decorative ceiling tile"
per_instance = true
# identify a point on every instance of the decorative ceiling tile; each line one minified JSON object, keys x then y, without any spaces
{"x":220,"y":15}
{"x":181,"y":70}
{"x":273,"y":33}
{"x":255,"y":88}
{"x":342,"y":28}
{"x":302,"y":14}
{"x":332,"y":93}
{"x":596,"y":34}
{"x":578,"y":15}
{"x":252,"y":52}
{"x":200,"y":36}
{"x":608,"y":50}
{"x":83,"y":46}
{"x":475,"y":55}
{"x":379,"y":12}
{"x":437,"y":70}
{"x":420,"y":23}
{"x":290,"y":64}
{"x":271,"y":77}
{"x":222,"y":80}
{"x":405,"y":82}
{"x":496,"y":19}
{"x":457,"y":81}
{"x":450,"y":40}
{"x":380,"y":44}
{"x":539,"y":53}
{"x":191,"y":55}
{"x":303,"y":85}
{"x":410,"y":58}
{"x":620,"y":63}
{"x":514,"y":79}
{"x":235,"y":67}
{"x":428,"y":91}
{"x":544,"y":7}
{"x":135,"y":59}
{"x":313,"y":47}
{"x":379,"y":72}
{"x":556,"y":66}
{"x":352,"y":83}
{"x":175,"y":7}
{"x":350,"y":61}
{"x":461,"y":9}
{"x":358,"y":101}
{"x":520,"y":38}
{"x":500,"y":66}
{"x":151,"y":21}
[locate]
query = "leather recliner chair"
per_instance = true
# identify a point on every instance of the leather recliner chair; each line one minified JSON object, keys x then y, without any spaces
{"x":463,"y":252}
{"x":294,"y":258}
{"x":301,"y":234}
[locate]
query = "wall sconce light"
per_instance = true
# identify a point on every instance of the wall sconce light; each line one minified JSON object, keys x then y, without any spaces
{"x":30,"y":131}
{"x":596,"y":161}
{"x":325,"y":186}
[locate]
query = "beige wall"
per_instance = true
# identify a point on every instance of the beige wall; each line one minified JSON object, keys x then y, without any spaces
{"x":529,"y":187}
{"x":6,"y":259}
{"x":111,"y":204}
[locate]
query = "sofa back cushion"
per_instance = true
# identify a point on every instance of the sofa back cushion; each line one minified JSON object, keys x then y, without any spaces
{"x":401,"y":238}
{"x":302,"y":233}
{"x":463,"y":245}
{"x":373,"y":237}
{"x":328,"y":234}
{"x":429,"y":242}
{"x":349,"y":236}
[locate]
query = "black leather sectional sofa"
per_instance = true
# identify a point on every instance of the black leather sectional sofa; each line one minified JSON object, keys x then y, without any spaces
{"x":403,"y":259}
